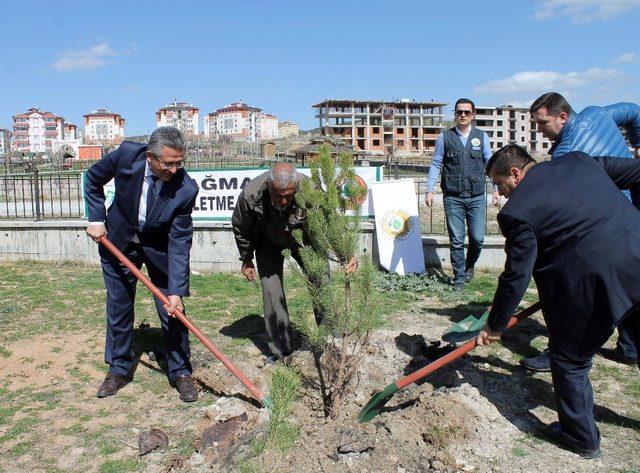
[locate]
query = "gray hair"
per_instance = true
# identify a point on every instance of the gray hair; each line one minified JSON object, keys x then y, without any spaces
{"x":166,"y":136}
{"x":282,"y":175}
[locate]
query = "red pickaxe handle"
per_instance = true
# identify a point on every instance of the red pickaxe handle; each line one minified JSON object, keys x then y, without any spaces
{"x":186,"y":322}
{"x":458,"y":352}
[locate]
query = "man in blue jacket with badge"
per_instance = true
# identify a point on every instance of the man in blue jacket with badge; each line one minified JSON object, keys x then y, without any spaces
{"x":594,"y":131}
{"x":150,"y":222}
{"x":462,"y":153}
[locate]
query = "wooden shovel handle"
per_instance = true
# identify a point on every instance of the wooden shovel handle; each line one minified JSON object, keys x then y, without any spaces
{"x":458,"y":352}
{"x":186,"y":322}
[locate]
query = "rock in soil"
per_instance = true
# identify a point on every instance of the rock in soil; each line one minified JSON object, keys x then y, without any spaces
{"x":225,"y":408}
{"x":221,"y":435}
{"x":149,"y":441}
{"x":353,"y":441}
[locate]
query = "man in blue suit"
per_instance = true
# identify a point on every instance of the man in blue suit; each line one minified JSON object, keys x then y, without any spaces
{"x":587,"y":286}
{"x":150,"y":222}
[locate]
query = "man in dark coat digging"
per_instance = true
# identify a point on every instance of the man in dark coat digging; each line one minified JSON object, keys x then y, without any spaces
{"x":559,"y":223}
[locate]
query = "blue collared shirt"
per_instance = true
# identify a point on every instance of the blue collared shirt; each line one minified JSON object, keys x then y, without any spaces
{"x":436,"y":163}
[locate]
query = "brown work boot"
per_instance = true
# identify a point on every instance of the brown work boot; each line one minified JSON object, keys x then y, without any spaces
{"x":187,"y":387}
{"x":111,"y":384}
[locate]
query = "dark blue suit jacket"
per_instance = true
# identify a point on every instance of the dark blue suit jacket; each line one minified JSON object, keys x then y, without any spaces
{"x":167,"y":234}
{"x":568,"y":225}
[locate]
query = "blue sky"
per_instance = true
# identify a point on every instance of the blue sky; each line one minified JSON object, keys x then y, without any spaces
{"x":283,"y":56}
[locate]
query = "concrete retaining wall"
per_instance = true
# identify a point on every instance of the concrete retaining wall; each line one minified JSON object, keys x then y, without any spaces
{"x":214,"y":248}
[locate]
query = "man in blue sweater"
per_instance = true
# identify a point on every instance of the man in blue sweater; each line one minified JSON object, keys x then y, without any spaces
{"x":594,"y":131}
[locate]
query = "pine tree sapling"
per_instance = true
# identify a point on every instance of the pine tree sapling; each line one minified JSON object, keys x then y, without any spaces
{"x":331,"y":232}
{"x":283,"y":391}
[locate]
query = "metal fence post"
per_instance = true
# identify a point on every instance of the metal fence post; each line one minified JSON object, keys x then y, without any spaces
{"x":36,"y":193}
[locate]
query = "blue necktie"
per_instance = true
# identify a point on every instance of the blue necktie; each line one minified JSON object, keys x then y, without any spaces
{"x":152,"y":194}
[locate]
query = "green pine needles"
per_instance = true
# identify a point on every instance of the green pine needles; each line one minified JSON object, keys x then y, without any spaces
{"x":346,"y":301}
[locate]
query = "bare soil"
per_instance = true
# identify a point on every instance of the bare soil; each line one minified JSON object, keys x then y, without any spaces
{"x":481,"y":413}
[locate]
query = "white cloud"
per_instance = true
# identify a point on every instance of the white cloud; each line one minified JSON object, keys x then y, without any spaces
{"x":531,"y":82}
{"x":93,"y":57}
{"x":627,"y":58}
{"x":584,"y":11}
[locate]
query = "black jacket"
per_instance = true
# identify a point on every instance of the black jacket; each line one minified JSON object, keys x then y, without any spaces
{"x":568,"y":225}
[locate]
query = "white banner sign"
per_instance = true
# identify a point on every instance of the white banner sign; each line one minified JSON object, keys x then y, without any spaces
{"x":219,"y":190}
{"x":398,"y":226}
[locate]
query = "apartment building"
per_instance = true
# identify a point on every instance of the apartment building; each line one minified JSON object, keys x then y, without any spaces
{"x":69,"y":131}
{"x":180,"y":115}
{"x":267,"y":126}
{"x":239,"y":121}
{"x":506,"y":124}
{"x":5,"y":141}
{"x":34,"y":131}
{"x":103,"y":127}
{"x":398,"y":127}
{"x":287,"y":129}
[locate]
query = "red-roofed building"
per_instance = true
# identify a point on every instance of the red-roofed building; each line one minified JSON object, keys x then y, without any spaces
{"x":69,"y":131}
{"x":267,"y":126}
{"x":240,"y":121}
{"x":180,"y":115}
{"x":103,"y":127}
{"x":35,"y":130}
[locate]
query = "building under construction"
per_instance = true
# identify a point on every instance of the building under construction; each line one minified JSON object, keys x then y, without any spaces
{"x":399,"y":127}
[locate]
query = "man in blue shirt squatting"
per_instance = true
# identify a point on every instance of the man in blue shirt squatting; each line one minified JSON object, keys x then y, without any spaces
{"x":461,"y":154}
{"x":593,"y":131}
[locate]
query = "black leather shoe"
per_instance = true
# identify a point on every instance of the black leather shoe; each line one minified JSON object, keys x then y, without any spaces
{"x":187,"y":387}
{"x":458,"y":286}
{"x":554,"y":430}
{"x":111,"y":384}
{"x":614,"y":354}
{"x":540,"y":363}
{"x":470,"y":273}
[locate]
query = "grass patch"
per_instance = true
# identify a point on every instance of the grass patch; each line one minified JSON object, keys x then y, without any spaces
{"x":4,"y":353}
{"x":19,"y":427}
{"x":248,"y":466}
{"x":21,"y":448}
{"x":519,"y":452}
{"x":6,"y":413}
{"x":632,"y":388}
{"x":74,"y":429}
{"x":119,"y":466}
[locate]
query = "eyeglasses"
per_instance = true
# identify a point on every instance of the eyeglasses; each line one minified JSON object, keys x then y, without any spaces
{"x":464,"y":112}
{"x":178,"y":165}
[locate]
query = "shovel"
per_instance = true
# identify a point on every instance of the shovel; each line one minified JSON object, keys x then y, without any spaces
{"x":466,"y":329}
{"x":380,"y":399}
{"x":257,"y":394}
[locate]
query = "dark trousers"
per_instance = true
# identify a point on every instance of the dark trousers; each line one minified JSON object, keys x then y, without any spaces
{"x":574,"y":399}
{"x":626,"y":344}
{"x":270,"y":264}
{"x":630,"y":326}
{"x":121,"y":293}
{"x":573,"y":391}
{"x":461,"y":212}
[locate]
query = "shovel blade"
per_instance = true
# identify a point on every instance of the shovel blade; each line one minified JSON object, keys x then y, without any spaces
{"x":376,"y":403}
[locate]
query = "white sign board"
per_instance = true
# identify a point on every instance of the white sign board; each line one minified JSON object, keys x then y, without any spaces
{"x":219,"y":190}
{"x":398,"y":226}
